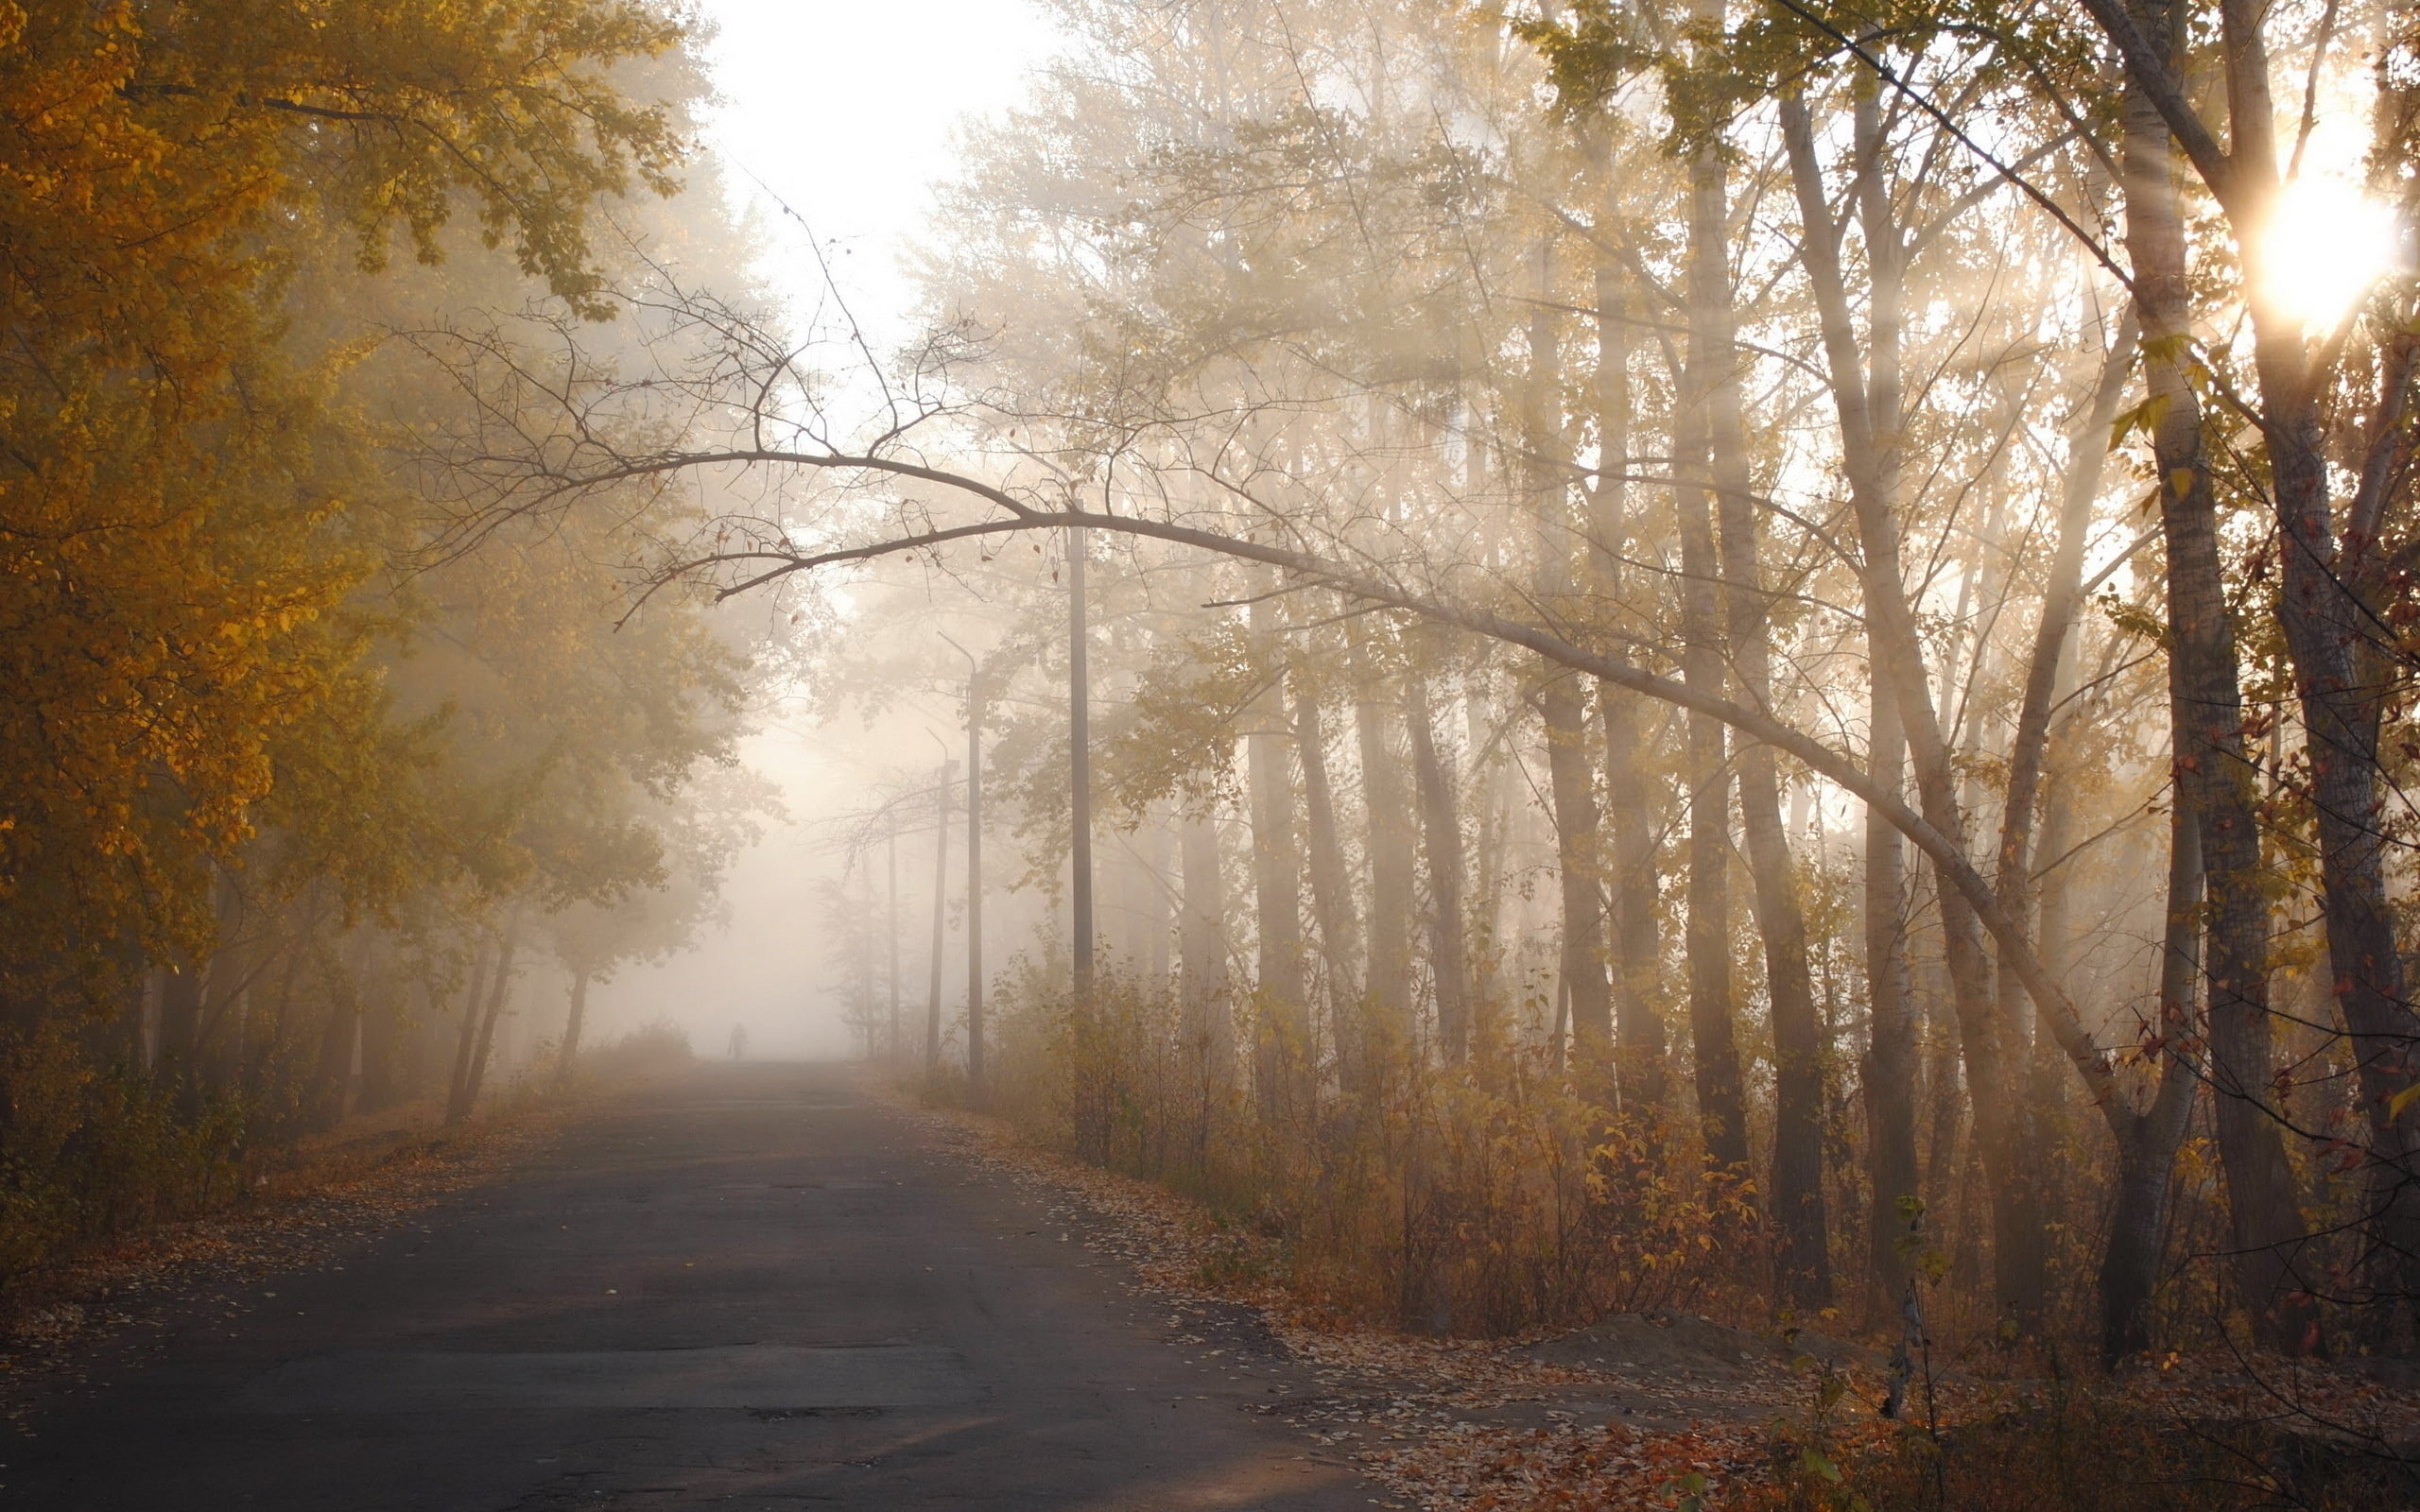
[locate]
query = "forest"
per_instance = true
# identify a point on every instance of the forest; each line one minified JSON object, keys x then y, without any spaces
{"x":303,"y":769}
{"x":1745,"y":658}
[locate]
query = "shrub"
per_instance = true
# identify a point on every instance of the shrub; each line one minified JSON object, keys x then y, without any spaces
{"x":1491,"y":1198}
{"x":656,"y":1046}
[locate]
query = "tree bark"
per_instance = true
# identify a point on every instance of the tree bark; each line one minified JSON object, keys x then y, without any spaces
{"x":2147,"y":1160}
{"x":1331,"y":887}
{"x":499,"y":989}
{"x":891,"y":941}
{"x":1641,"y":1045}
{"x":2341,"y":683}
{"x":1571,"y":784}
{"x":383,"y":1044}
{"x":1890,"y":1081}
{"x":1868,"y":407}
{"x":2029,"y":744}
{"x":1721,"y":1105}
{"x":1483,"y":794}
{"x":1442,"y":833}
{"x":1153,"y":857}
{"x":2062,"y":596}
{"x":567,"y":1058}
{"x":1802,"y":1253}
{"x":1389,"y":846}
{"x":180,"y":1020}
{"x":1563,"y":700}
{"x":1209,"y":1031}
{"x":332,"y":1084}
{"x":473,"y":1001}
{"x":1280,"y":1038}
{"x":1629,"y":833}
{"x":2211,"y":766}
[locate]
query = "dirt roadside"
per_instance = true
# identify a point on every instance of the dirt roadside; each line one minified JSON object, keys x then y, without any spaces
{"x":1634,"y":1411}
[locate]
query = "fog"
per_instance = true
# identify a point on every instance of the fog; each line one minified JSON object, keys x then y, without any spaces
{"x":762,"y":967}
{"x":855,"y":157}
{"x":1623,"y":653}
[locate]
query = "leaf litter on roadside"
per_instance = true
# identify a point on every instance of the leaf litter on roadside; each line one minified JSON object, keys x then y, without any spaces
{"x":1420,"y":1417}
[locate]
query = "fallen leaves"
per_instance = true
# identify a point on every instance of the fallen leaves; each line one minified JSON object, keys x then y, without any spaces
{"x":1433,"y":1422}
{"x":1408,"y":1411}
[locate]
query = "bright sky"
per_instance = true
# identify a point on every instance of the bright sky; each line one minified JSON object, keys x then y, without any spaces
{"x":847,"y":111}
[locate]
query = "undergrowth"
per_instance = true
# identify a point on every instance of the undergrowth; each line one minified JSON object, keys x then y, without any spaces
{"x":93,"y":1149}
{"x":2076,"y":1451}
{"x":1496,"y":1199}
{"x":1482,"y":1200}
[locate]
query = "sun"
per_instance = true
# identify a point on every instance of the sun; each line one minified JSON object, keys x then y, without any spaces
{"x":2327,"y":244}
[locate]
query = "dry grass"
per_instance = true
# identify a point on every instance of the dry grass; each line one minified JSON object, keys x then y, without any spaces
{"x":1460,"y":1423}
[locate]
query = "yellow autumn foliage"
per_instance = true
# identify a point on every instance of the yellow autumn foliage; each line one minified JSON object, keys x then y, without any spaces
{"x":174,"y":479}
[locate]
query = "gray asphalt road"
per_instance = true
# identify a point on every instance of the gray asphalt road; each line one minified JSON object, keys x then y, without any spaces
{"x":754,"y":1287}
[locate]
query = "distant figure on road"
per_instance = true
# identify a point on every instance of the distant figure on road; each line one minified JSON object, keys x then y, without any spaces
{"x":739,"y":1042}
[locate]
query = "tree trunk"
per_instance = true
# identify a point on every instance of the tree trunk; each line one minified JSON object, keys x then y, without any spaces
{"x":2019,"y":1252}
{"x":383,"y":1047}
{"x":2062,"y":595}
{"x":1155,"y":838}
{"x":2147,"y":1160}
{"x":1331,"y":887}
{"x":2341,"y":683}
{"x":1280,"y":1041}
{"x":2029,"y":744}
{"x":567,"y":1058}
{"x":1562,"y":701}
{"x":473,"y":1000}
{"x":1802,"y":1254}
{"x":1386,"y":809}
{"x":332,"y":1085}
{"x":1483,"y":792}
{"x":1209,"y":1030}
{"x":499,"y":989}
{"x":181,"y":1021}
{"x":1867,"y":407}
{"x":1095,"y":1093}
{"x":1641,"y":1044}
{"x":1721,"y":1106}
{"x":1572,"y":784}
{"x":2211,"y":767}
{"x":226,"y":985}
{"x":1890,"y":1081}
{"x":1629,"y":833}
{"x":1442,"y":833}
{"x":2343,"y":650}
